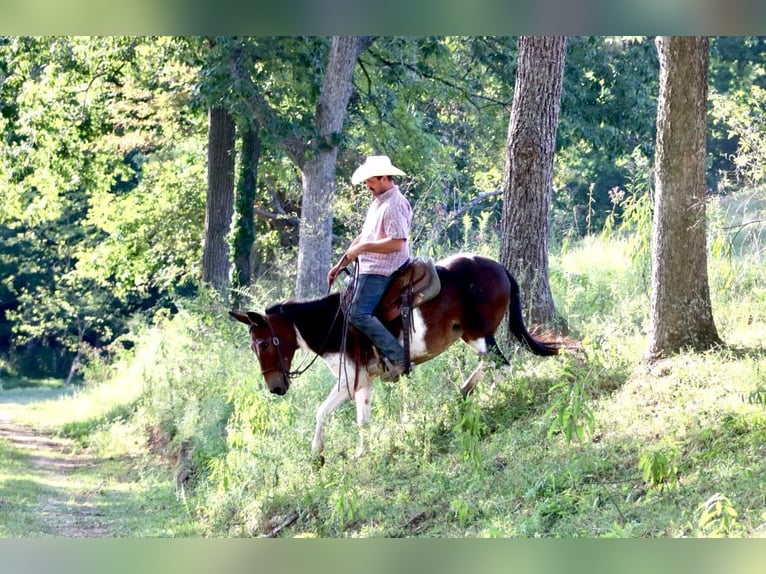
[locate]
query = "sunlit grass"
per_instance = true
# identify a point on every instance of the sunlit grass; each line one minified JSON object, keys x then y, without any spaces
{"x":676,"y":446}
{"x":84,"y":405}
{"x":68,"y":492}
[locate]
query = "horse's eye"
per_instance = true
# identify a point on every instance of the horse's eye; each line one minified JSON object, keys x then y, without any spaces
{"x":263,"y":345}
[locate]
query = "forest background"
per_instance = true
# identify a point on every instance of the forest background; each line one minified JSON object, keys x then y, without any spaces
{"x":104,"y":159}
{"x":103,"y":175}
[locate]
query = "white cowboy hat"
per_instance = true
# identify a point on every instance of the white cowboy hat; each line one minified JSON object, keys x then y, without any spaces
{"x":373,"y":166}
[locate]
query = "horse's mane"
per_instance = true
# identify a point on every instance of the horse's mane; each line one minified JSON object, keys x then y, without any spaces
{"x":314,"y":307}
{"x":314,"y":319}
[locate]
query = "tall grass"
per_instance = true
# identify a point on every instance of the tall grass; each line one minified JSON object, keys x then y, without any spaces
{"x":594,"y":443}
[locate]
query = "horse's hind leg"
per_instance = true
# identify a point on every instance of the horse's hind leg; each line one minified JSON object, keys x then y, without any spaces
{"x":484,"y":346}
{"x":495,"y":350}
{"x":469,"y":384}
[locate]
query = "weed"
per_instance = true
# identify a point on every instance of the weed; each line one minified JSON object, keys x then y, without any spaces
{"x":659,"y":468}
{"x":344,"y":500}
{"x":462,"y":510}
{"x":571,"y":414}
{"x":470,"y":428}
{"x":718,"y":518}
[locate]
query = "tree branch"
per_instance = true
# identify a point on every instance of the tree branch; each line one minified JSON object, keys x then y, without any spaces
{"x":423,"y":74}
{"x":474,"y":202}
{"x":743,"y":225}
{"x":290,"y":219}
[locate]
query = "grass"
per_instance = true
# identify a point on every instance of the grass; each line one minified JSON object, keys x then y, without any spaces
{"x":104,"y":484}
{"x":590,"y":444}
{"x":118,"y":497}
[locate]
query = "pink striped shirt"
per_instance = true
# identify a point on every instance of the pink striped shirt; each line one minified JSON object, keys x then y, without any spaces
{"x":389,"y":216}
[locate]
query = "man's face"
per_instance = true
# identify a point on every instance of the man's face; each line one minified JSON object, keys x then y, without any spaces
{"x":378,"y":184}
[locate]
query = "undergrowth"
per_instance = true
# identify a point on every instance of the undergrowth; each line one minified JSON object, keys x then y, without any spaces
{"x":592,"y":443}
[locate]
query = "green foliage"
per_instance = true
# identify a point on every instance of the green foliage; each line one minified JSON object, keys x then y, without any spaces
{"x":632,"y":210}
{"x":608,"y":110}
{"x":470,"y":429}
{"x":571,"y":414}
{"x":718,"y":518}
{"x":735,"y":120}
{"x":659,"y":468}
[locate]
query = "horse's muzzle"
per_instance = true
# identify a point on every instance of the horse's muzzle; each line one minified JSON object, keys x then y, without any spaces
{"x":280,"y":390}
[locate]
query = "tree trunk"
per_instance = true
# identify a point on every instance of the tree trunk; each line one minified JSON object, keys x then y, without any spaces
{"x":681,"y":314}
{"x":527,"y":185}
{"x":318,"y":168}
{"x":220,"y":199}
{"x":244,"y":222}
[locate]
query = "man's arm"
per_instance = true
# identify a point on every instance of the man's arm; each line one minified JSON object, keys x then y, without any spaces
{"x":386,"y":245}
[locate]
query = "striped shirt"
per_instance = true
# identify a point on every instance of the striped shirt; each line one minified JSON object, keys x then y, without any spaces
{"x":389,"y":216}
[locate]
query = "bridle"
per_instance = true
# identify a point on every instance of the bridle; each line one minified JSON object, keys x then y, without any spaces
{"x":286,"y":373}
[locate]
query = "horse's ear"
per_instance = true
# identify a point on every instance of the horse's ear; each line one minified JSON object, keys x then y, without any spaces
{"x":249,"y":318}
{"x":257,"y":319}
{"x":241,"y":317}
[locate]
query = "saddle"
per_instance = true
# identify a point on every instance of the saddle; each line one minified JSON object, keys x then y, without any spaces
{"x":411,"y":285}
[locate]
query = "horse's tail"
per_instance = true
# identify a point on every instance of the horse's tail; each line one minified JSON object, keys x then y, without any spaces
{"x":516,"y":324}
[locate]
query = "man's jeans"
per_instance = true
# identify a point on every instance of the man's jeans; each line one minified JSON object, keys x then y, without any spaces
{"x":367,"y":294}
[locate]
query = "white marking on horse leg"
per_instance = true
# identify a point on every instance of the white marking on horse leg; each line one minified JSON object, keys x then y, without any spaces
{"x":337,"y":396}
{"x":363,"y":399}
{"x":418,"y":335}
{"x":470,"y":383}
{"x":479,"y":345}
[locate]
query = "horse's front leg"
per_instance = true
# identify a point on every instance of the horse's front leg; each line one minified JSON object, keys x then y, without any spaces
{"x":363,"y":399}
{"x":337,"y":396}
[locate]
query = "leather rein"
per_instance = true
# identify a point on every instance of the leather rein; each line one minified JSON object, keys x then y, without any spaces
{"x":286,"y":373}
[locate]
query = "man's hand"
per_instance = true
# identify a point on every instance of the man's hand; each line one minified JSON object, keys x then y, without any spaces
{"x":333,"y":273}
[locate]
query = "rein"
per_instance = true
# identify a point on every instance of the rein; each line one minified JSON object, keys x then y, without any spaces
{"x":344,"y":337}
{"x":283,"y":370}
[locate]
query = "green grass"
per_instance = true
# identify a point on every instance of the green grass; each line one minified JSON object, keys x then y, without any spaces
{"x":56,"y":487}
{"x":118,"y":498}
{"x":595,"y":443}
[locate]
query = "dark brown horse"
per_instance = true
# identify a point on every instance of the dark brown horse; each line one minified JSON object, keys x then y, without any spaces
{"x":475,"y":294}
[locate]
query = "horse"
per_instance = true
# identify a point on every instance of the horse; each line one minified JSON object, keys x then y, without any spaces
{"x":474,"y":296}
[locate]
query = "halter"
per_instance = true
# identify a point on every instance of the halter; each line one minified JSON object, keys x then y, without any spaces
{"x":286,"y":373}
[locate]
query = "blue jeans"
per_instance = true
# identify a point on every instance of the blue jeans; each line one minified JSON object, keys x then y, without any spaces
{"x":368,"y":292}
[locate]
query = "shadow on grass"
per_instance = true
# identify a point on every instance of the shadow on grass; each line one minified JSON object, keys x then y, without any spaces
{"x":46,"y":489}
{"x":29,"y":395}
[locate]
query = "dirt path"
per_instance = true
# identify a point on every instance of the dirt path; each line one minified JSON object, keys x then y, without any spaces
{"x":65,"y":501}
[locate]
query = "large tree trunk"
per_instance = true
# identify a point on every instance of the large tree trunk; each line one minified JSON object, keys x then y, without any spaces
{"x":244,"y":223}
{"x":318,"y":168}
{"x":527,"y":186}
{"x":220,"y":200}
{"x":681,"y":315}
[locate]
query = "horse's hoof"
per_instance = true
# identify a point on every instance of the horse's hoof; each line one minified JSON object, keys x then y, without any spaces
{"x":317,"y":461}
{"x":358,"y":453}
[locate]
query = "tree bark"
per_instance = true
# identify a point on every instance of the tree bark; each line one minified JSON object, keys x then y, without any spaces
{"x":219,"y":204}
{"x":681,"y":313}
{"x":244,"y":206}
{"x":527,"y":186}
{"x":318,"y":168}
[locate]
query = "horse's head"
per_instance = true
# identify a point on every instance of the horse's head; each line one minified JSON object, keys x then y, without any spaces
{"x":273,"y":340}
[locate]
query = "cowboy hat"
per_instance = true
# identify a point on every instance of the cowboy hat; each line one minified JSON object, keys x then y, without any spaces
{"x":373,"y":166}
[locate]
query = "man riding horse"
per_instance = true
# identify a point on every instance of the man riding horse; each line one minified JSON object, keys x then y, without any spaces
{"x":380,"y":249}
